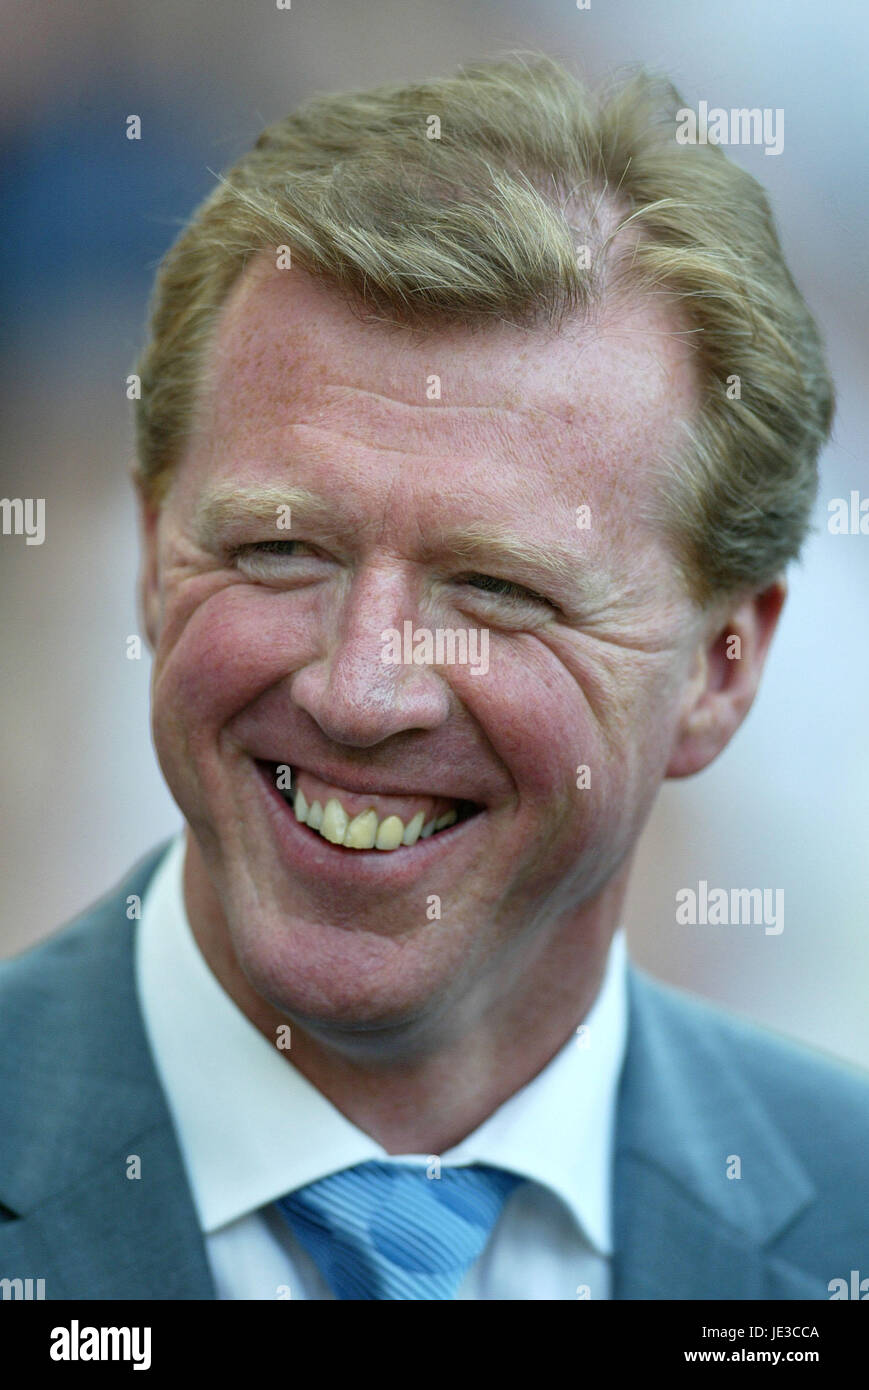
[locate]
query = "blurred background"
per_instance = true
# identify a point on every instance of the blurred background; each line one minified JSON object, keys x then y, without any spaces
{"x":86,"y":215}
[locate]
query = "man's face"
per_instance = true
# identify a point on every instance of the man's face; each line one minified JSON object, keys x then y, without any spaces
{"x":269,"y":645}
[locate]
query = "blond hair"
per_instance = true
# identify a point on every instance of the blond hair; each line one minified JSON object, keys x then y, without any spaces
{"x":486,"y":221}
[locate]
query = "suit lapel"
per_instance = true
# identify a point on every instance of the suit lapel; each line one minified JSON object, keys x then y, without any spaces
{"x":82,"y":1097}
{"x":106,"y":1236}
{"x":683,"y":1228}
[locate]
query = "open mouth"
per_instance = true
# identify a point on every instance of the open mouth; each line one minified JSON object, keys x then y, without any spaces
{"x":362,"y":821}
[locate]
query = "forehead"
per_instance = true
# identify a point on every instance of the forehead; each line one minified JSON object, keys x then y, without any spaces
{"x":578,"y":412}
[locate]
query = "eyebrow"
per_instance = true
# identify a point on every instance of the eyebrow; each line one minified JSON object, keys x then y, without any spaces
{"x":220,"y":510}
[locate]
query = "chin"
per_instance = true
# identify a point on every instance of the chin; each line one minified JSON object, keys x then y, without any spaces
{"x":338,"y":983}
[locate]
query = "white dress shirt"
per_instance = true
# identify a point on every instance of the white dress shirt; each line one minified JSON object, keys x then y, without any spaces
{"x":251,"y":1128}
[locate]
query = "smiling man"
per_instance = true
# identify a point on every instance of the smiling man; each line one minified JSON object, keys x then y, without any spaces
{"x":543,"y":380}
{"x":268,"y":655}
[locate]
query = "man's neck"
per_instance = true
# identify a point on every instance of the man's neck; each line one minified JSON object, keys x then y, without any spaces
{"x":423,"y":1091}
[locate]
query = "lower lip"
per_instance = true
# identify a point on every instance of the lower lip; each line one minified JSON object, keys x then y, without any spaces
{"x":312,"y":856}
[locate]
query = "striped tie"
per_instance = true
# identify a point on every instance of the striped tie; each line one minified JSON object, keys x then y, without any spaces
{"x":386,"y":1230}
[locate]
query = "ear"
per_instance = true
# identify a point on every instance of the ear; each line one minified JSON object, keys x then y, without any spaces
{"x":728,"y":665}
{"x":149,"y":567}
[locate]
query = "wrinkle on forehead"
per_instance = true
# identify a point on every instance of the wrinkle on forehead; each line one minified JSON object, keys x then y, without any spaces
{"x":291,"y":326}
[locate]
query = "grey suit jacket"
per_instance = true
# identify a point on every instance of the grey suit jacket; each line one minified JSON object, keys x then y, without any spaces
{"x":79,"y":1094}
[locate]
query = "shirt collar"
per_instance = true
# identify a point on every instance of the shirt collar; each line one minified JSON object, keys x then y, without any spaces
{"x":251,"y":1127}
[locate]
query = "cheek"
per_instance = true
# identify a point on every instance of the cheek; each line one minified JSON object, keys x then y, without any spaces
{"x":583,"y":730}
{"x":536,"y":718}
{"x":232,"y":647}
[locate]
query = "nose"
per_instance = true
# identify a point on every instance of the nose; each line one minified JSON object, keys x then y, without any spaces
{"x":358,"y":698}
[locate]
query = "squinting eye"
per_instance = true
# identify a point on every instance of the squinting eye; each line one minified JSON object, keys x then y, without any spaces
{"x":271,"y":547}
{"x":270,"y":560}
{"x":504,"y":588}
{"x":286,"y":549}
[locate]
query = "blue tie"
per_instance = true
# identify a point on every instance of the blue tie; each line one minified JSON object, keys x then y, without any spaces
{"x":386,"y":1230}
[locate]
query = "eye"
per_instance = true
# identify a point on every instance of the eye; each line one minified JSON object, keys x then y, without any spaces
{"x":505,"y":588}
{"x":272,"y":548}
{"x":274,"y":558}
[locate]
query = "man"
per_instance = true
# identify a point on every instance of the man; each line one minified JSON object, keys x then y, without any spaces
{"x":453,"y":524}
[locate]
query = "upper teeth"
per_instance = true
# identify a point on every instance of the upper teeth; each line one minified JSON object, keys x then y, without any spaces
{"x":365,"y":831}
